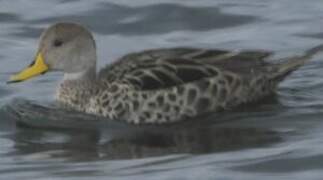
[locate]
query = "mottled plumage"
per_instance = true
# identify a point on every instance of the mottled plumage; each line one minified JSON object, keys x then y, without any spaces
{"x":164,"y":85}
{"x":169,"y":85}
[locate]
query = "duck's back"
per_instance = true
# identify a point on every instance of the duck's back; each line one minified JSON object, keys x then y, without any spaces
{"x":171,"y":67}
{"x":168,"y":85}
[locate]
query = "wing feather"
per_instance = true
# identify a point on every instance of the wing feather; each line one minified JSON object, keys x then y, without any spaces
{"x":164,"y":68}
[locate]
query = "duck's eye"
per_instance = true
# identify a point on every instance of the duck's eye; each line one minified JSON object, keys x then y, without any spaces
{"x":58,"y":43}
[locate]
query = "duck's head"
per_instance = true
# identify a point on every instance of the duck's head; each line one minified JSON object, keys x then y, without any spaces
{"x":66,"y":47}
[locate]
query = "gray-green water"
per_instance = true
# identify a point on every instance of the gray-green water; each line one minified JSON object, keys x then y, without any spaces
{"x":281,"y":138}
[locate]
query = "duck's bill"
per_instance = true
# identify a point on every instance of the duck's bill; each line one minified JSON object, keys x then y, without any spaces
{"x":36,"y":68}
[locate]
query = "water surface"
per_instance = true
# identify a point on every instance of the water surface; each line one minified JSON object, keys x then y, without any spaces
{"x":279,"y":138}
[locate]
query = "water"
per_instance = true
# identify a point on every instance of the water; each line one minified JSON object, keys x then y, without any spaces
{"x":280,"y":138}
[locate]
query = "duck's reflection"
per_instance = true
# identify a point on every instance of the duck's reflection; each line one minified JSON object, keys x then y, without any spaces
{"x":115,"y":141}
{"x":146,"y":143}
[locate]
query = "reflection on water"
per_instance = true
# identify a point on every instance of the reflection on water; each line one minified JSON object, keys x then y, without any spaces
{"x":90,"y":137}
{"x":85,"y":146}
{"x":280,"y":137}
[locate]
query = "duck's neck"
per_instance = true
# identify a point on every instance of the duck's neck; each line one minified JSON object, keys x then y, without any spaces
{"x":84,"y":76}
{"x":77,"y":88}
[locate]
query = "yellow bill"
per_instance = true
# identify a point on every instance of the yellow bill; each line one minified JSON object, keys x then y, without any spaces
{"x":36,"y":68}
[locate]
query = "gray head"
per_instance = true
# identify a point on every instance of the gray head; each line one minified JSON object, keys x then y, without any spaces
{"x":66,"y":47}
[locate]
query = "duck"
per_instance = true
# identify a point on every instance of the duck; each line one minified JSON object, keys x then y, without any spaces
{"x":155,"y":86}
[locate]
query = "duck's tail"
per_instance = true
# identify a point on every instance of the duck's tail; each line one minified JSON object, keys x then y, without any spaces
{"x":281,"y":70}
